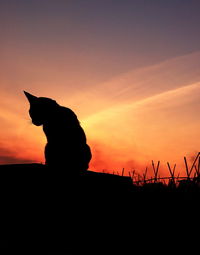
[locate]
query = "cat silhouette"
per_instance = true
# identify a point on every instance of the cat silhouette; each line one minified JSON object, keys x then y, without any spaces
{"x":66,"y":140}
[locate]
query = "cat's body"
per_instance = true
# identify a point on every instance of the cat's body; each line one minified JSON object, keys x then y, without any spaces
{"x":66,"y":141}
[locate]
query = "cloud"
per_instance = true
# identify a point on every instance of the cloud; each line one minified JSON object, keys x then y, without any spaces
{"x":9,"y":157}
{"x":14,"y":160}
{"x":161,"y":127}
{"x":135,"y":85}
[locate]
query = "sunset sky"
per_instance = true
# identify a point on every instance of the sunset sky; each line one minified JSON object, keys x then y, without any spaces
{"x":130,"y":69}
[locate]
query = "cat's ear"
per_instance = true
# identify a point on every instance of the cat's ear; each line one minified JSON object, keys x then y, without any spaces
{"x":31,"y":98}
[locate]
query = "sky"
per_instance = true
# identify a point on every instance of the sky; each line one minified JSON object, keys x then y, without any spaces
{"x":130,"y":69}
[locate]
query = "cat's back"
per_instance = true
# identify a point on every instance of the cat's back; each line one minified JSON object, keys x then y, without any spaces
{"x":64,"y":115}
{"x":72,"y":125}
{"x":64,"y":125}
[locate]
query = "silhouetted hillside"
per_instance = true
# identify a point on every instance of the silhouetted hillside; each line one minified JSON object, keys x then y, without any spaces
{"x":46,"y":209}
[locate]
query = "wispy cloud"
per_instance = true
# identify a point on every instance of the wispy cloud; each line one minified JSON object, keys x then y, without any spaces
{"x":161,"y":123}
{"x":139,"y":84}
{"x":7,"y":156}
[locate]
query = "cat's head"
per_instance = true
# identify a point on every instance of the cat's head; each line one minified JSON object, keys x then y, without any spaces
{"x":41,"y":108}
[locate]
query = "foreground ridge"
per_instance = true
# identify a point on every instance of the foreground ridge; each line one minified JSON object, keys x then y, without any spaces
{"x":89,"y":212}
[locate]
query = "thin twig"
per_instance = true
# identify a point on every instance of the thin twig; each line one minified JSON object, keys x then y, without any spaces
{"x":186,"y":167}
{"x":194,"y":163}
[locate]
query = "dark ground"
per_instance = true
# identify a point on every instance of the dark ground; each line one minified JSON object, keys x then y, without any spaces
{"x":50,"y":212}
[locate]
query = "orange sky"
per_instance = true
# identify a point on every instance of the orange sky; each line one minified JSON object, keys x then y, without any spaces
{"x":134,"y":82}
{"x":126,"y":121}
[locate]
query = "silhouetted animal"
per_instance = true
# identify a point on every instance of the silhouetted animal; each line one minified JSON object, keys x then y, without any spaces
{"x":66,"y":141}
